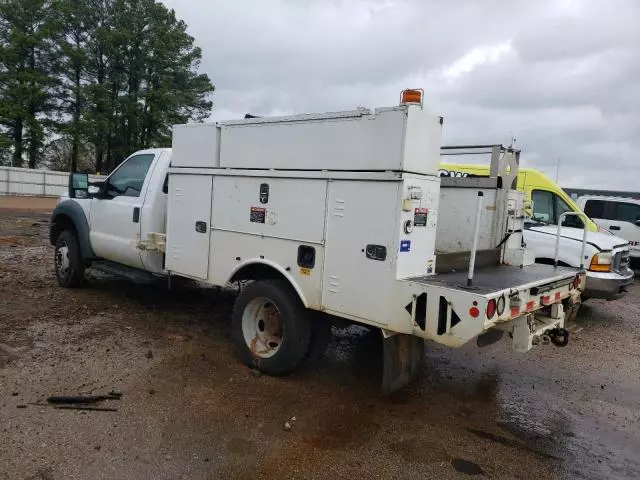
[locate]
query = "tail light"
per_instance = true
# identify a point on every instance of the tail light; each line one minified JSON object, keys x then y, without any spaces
{"x":501,"y":305}
{"x":491,"y":308}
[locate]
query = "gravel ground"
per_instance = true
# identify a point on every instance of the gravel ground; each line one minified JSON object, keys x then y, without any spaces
{"x":190,"y":410}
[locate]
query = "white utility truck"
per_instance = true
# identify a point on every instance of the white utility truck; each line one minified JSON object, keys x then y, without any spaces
{"x":334,"y":214}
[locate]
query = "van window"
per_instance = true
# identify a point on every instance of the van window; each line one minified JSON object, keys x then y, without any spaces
{"x":594,"y":208}
{"x":612,"y":210}
{"x":543,"y":206}
{"x":548,"y":206}
{"x":561,"y":207}
{"x":627,"y":212}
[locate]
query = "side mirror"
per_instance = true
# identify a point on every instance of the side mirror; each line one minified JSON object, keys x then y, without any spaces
{"x":78,"y":185}
{"x":573,"y":222}
{"x":638,"y":222}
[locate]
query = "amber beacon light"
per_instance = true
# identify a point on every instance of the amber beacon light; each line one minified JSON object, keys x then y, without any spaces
{"x":411,"y":96}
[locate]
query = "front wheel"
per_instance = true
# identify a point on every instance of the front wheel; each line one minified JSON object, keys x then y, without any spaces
{"x":68,"y":260}
{"x":271,"y":327}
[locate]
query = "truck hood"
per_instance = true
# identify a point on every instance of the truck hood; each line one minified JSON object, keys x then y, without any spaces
{"x":603,"y":241}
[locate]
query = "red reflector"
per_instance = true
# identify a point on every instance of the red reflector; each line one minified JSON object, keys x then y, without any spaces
{"x":474,"y":312}
{"x":557,"y":295}
{"x":546,"y":299}
{"x":530,"y":305}
{"x":515,"y":311}
{"x":491,"y":309}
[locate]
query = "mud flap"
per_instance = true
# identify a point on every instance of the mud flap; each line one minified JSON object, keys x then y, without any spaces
{"x":571,"y":313}
{"x":402,"y":358}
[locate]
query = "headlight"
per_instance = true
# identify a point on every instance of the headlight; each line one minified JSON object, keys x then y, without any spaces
{"x":601,"y":262}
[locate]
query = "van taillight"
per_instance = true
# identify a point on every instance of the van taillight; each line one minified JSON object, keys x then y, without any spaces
{"x":491,"y":308}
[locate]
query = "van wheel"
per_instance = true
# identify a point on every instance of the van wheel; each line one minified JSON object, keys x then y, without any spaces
{"x":68,"y":260}
{"x":271,"y":327}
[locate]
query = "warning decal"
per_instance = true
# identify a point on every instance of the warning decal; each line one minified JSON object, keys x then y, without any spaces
{"x":257,"y":214}
{"x":420,"y":217}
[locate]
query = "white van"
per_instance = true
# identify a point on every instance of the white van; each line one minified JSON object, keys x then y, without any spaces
{"x":621,"y":216}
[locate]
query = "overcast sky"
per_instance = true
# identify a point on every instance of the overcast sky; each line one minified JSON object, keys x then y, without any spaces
{"x":563,"y":76}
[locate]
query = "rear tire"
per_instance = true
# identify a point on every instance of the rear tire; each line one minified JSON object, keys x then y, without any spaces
{"x":271,"y":327}
{"x":68,"y":260}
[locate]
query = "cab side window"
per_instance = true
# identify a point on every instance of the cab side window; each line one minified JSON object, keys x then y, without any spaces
{"x":128,"y":179}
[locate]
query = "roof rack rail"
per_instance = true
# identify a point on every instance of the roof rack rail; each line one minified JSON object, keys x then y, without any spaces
{"x":505,"y":161}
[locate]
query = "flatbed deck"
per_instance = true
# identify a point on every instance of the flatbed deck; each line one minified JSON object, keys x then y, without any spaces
{"x":495,"y":278}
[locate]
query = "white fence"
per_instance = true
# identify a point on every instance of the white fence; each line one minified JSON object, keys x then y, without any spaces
{"x":43,"y":183}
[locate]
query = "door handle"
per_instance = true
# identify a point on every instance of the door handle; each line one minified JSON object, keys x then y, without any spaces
{"x":614,"y":227}
{"x":136,"y":214}
{"x":376,"y":252}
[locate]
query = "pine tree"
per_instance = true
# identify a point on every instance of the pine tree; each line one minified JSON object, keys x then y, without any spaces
{"x":27,"y":49}
{"x":99,"y":112}
{"x":102,"y":76}
{"x":153,"y":77}
{"x":75,"y":22}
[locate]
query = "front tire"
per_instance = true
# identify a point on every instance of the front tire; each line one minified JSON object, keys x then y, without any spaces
{"x":68,"y":260}
{"x":271,"y":327}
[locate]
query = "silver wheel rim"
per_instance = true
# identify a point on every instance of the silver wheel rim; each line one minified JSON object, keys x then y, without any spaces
{"x":63,"y":263}
{"x":262,"y":327}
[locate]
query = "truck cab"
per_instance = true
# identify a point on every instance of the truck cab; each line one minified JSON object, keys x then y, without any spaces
{"x":106,"y":221}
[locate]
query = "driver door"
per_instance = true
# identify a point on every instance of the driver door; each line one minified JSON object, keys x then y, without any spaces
{"x":115,"y":218}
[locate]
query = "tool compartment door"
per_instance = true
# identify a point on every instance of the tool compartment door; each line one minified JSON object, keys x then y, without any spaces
{"x":358,"y":282}
{"x":188,"y":224}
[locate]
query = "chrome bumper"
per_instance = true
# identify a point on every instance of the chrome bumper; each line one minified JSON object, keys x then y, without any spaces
{"x":608,"y":285}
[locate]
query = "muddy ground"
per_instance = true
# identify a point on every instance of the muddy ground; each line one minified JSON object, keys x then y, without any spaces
{"x":190,"y":410}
